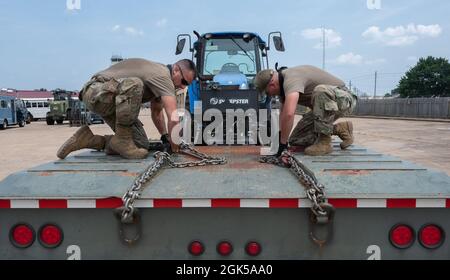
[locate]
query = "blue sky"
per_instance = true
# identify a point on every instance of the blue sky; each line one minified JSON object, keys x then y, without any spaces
{"x":46,"y":45}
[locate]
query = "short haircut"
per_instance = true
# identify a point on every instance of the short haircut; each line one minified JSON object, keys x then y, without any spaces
{"x":189,"y":65}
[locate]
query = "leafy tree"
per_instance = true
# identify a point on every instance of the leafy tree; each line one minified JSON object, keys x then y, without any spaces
{"x":430,"y":77}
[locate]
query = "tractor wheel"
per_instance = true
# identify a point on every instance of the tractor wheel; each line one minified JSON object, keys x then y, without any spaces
{"x":59,"y":121}
{"x":22,"y":123}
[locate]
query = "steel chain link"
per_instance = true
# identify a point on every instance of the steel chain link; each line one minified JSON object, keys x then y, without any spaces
{"x":162,"y":159}
{"x":314,"y":190}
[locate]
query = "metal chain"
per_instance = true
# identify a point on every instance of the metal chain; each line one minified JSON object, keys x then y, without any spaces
{"x":204,"y":158}
{"x":162,"y":159}
{"x":314,"y":190}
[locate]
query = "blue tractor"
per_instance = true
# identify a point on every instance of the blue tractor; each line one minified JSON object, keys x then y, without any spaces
{"x":227,"y":63}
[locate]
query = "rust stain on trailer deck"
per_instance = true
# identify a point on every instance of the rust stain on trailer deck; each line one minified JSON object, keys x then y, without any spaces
{"x":230,"y":150}
{"x":238,"y":157}
{"x":129,"y":174}
{"x":349,"y":172}
{"x":45,"y":174}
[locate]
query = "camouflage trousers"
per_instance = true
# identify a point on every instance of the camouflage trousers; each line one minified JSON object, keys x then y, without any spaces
{"x":328,"y":104}
{"x":118,"y":102}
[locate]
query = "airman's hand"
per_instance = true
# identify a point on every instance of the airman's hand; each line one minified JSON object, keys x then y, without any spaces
{"x":285,"y":160}
{"x":174,"y":147}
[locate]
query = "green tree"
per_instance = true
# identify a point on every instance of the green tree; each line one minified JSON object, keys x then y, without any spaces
{"x":430,"y":77}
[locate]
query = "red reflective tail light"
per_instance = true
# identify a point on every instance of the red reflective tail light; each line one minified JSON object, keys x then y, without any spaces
{"x":196,"y":248}
{"x":225,"y":248}
{"x":402,"y":236}
{"x":431,"y":236}
{"x":253,"y":249}
{"x":22,"y":235}
{"x":50,"y":236}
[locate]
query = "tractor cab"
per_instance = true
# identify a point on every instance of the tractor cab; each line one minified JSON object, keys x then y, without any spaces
{"x":228,"y":59}
{"x":227,"y":63}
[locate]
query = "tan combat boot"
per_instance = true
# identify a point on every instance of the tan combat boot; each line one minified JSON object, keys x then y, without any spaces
{"x":322,"y":147}
{"x":345,"y":131}
{"x":82,"y":139}
{"x":108,"y":149}
{"x":122,"y":143}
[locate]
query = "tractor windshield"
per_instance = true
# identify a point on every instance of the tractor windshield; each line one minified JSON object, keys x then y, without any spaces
{"x":230,"y":55}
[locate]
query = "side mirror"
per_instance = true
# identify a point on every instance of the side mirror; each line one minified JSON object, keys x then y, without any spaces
{"x":180,"y":46}
{"x":279,"y":45}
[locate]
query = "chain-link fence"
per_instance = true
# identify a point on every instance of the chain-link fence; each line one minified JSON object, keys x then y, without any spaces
{"x":436,"y":108}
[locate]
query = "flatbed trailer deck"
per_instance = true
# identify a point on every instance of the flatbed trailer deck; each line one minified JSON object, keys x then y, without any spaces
{"x":240,"y":202}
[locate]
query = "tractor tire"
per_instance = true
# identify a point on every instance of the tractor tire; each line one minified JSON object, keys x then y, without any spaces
{"x":22,"y":123}
{"x":59,"y":121}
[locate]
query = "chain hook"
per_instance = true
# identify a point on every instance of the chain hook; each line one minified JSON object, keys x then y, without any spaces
{"x":322,"y":219}
{"x":128,"y":221}
{"x":128,"y":215}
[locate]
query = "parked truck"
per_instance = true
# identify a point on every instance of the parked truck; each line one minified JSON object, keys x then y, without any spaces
{"x":382,"y":208}
{"x":80,"y":115}
{"x":12,"y":112}
{"x":60,"y":107}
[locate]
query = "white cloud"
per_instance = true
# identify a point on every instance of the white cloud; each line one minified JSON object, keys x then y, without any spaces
{"x":127,"y":30}
{"x":349,"y":59}
{"x":402,"y":35}
{"x":429,"y":30}
{"x":333,"y":38}
{"x":356,"y":59}
{"x":133,"y":31}
{"x":162,"y":22}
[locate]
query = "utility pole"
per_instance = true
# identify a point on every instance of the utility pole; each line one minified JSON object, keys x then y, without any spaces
{"x":323,"y":46}
{"x":350,"y":85}
{"x":375,"y":89}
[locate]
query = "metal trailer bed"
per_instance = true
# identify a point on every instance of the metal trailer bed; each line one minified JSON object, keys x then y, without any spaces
{"x":239,"y":202}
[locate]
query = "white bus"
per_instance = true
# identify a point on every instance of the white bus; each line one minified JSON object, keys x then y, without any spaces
{"x":37,"y":108}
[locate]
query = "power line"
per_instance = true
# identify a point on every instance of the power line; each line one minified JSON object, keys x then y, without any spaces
{"x":365,"y":75}
{"x":391,"y":74}
{"x":379,"y":82}
{"x":371,"y":75}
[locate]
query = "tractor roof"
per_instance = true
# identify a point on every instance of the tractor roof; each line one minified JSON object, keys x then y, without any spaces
{"x":234,"y":34}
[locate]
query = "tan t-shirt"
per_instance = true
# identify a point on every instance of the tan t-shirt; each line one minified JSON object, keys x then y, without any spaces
{"x":304,"y":79}
{"x":155,"y":76}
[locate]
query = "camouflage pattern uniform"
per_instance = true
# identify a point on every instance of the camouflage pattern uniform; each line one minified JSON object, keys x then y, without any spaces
{"x":328,"y":103}
{"x":118,"y":101}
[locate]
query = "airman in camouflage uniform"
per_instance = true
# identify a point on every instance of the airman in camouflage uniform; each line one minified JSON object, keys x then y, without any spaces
{"x":117,"y":93}
{"x":324,"y":94}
